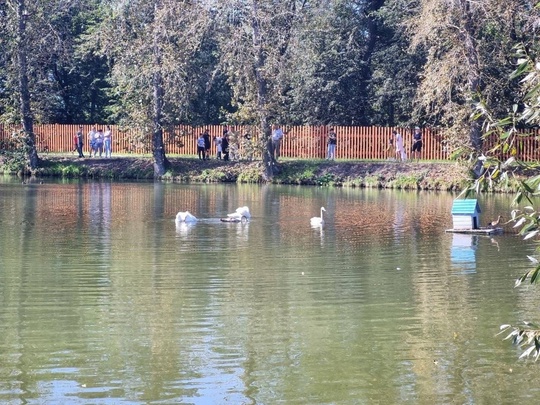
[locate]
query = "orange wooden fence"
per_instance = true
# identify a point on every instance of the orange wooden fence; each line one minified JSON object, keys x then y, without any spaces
{"x":303,"y":142}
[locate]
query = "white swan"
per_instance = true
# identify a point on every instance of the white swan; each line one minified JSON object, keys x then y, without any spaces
{"x":185,"y":216}
{"x":318,"y":221}
{"x":241,"y":212}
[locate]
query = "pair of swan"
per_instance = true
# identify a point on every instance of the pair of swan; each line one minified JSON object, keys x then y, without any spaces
{"x":318,"y":221}
{"x":241,"y":214}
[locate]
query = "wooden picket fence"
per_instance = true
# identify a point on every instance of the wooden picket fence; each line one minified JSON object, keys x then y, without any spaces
{"x":303,"y":142}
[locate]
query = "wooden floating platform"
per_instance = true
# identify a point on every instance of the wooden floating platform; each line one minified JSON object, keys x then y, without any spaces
{"x":479,"y":231}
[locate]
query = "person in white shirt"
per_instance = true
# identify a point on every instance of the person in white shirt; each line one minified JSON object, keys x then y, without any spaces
{"x":400,"y":149}
{"x":277,"y":136}
{"x":218,"y":141}
{"x":92,"y":140}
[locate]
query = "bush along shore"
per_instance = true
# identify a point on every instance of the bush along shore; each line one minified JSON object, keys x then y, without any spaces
{"x":447,"y":176}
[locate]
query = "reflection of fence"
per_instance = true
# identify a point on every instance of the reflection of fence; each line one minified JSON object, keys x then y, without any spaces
{"x":299,"y":142}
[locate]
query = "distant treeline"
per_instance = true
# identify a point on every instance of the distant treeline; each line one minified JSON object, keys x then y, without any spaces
{"x":360,"y":63}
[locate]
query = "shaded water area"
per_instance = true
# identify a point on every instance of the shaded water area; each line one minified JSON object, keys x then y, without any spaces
{"x":104,"y":300}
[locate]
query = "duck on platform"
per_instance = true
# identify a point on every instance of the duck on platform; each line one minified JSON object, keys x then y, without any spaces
{"x":494,"y":224}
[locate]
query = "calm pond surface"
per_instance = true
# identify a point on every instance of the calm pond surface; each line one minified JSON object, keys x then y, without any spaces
{"x":104,"y":300}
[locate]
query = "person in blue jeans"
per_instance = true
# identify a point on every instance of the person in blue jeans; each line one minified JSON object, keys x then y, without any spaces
{"x":332,"y":142}
{"x":107,"y":138}
{"x":201,"y":147}
{"x":98,"y":141}
{"x":92,"y":140}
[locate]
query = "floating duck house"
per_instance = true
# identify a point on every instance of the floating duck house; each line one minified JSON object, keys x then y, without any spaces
{"x":465,"y":214}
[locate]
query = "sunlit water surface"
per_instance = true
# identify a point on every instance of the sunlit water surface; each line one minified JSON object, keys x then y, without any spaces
{"x":105,"y":300}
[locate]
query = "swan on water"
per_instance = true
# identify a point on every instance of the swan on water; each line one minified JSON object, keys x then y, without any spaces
{"x":239,"y":214}
{"x":318,"y":221}
{"x":185,"y":216}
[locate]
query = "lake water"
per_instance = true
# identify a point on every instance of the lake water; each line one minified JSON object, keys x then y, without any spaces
{"x":104,"y":300}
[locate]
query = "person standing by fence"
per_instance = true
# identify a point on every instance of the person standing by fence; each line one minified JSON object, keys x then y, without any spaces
{"x":207,"y":143}
{"x":107,"y":141}
{"x":225,"y":145}
{"x":332,"y":142}
{"x":79,"y":141}
{"x":201,"y":149}
{"x":390,"y":147}
{"x":92,"y":140}
{"x":277,"y":136}
{"x":217,"y":141}
{"x":417,"y":144}
{"x":99,"y":143}
{"x":401,"y":155}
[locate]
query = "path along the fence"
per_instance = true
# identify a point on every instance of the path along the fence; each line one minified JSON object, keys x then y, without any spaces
{"x":304,"y":142}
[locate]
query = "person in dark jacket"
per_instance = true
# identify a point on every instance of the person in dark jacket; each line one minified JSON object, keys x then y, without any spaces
{"x":417,"y":144}
{"x":207,"y":143}
{"x":225,"y":145}
{"x":79,"y":141}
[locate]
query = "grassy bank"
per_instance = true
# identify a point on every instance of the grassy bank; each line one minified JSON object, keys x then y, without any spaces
{"x":373,"y":174}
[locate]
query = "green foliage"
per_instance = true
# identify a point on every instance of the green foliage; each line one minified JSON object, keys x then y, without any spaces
{"x":352,"y":182}
{"x":526,"y":336}
{"x":327,"y":179}
{"x":71,"y":171}
{"x":501,"y":164}
{"x":12,"y":161}
{"x":372,"y":181}
{"x":13,"y":153}
{"x":212,"y":176}
{"x":294,"y":174}
{"x":410,"y":182}
{"x":253,"y":176}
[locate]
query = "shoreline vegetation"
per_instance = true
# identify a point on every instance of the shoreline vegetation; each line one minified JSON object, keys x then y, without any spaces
{"x":412,"y":175}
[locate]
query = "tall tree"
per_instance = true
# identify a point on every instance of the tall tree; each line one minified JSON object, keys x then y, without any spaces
{"x":24,"y":88}
{"x":524,"y":112}
{"x":17,"y":45}
{"x":394,"y":67}
{"x":467,"y":46}
{"x":79,"y":89}
{"x":352,"y":65}
{"x":152,"y":44}
{"x":36,"y":39}
{"x":329,"y":65}
{"x":255,"y":40}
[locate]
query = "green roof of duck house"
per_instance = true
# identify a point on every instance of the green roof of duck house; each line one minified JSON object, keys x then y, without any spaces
{"x":465,"y":207}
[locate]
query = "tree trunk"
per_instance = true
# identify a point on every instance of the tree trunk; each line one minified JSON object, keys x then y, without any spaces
{"x":158,"y":147}
{"x":473,"y":78}
{"x":24,"y":91}
{"x":161,"y":164}
{"x":262,"y":90}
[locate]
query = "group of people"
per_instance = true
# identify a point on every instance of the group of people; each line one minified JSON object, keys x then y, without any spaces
{"x":396,"y":140}
{"x":221,"y":142}
{"x":98,"y":142}
{"x":101,"y":142}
